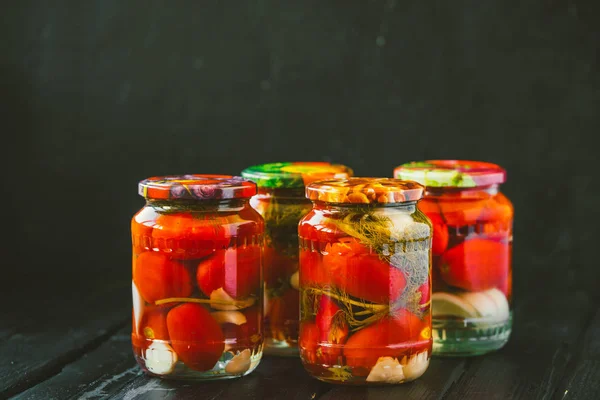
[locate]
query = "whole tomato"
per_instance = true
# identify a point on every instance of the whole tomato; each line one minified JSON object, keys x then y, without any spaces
{"x":392,"y":336}
{"x":157,"y":277}
{"x":312,"y":270}
{"x":236,"y":270}
{"x":187,"y":236}
{"x":248,"y":334}
{"x":154,"y":323}
{"x":333,"y":329}
{"x":363,"y":275}
{"x":476,"y":264}
{"x":440,"y":234}
{"x":195,"y":336}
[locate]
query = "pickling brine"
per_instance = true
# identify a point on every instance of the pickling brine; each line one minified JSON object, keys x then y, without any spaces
{"x":197,"y":284}
{"x":365,"y":256}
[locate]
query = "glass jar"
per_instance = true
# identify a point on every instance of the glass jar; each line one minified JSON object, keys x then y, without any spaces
{"x":365,"y":262}
{"x":472,"y":250}
{"x":197,"y":284}
{"x":281,"y":202}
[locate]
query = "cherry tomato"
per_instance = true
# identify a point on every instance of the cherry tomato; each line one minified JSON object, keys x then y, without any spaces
{"x":391,"y":336}
{"x":476,"y":264}
{"x":188,"y":236}
{"x":248,"y":334}
{"x":154,"y":323}
{"x":363,"y":275}
{"x":308,"y":342}
{"x":312,"y":270}
{"x":195,"y":336}
{"x":236,"y":270}
{"x":440,"y":234}
{"x":331,"y":322}
{"x":157,"y":277}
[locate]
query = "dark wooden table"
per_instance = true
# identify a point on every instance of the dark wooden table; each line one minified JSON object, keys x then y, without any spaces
{"x":75,"y":344}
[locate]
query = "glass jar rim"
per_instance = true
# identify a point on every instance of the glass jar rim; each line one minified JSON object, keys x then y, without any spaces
{"x":196,"y":187}
{"x":296,"y":174}
{"x":452,"y":173}
{"x":364,"y":190}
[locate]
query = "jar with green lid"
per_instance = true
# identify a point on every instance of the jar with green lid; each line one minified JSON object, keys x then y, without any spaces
{"x":472,"y":251}
{"x":281,"y":202}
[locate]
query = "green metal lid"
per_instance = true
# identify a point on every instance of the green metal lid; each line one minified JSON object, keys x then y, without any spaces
{"x":294,"y":175}
{"x":452,"y":173}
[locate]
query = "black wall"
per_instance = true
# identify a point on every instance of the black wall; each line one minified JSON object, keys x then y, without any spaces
{"x":97,"y":95}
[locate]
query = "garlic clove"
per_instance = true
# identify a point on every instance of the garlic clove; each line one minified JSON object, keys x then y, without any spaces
{"x":229,"y":317}
{"x":416,"y":366}
{"x":138,"y":307}
{"x":295,"y":280}
{"x":220,"y":300}
{"x":160,"y":358}
{"x":386,"y":370}
{"x":239,"y":364}
{"x":446,"y":304}
{"x":501,"y":302}
{"x":485,"y":305}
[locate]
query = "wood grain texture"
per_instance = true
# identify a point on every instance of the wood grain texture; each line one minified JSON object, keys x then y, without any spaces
{"x":94,"y":375}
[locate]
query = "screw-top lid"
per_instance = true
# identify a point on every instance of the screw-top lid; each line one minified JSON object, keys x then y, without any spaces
{"x":197,"y":187}
{"x":365,"y":190}
{"x":452,"y":173}
{"x":294,"y":174}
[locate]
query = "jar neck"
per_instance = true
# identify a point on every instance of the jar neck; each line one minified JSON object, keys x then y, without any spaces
{"x":469,"y":192}
{"x":184,"y":205}
{"x":409,"y":206}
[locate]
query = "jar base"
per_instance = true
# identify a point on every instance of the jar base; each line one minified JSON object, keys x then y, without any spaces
{"x":465,"y":338}
{"x":281,"y":348}
{"x":219,"y":372}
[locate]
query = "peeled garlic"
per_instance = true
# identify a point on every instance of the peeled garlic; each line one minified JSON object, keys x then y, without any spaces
{"x":416,"y":365}
{"x":220,"y":300}
{"x":160,"y":358}
{"x":387,"y":370}
{"x":295,"y":280}
{"x":229,"y":317}
{"x":239,"y":364}
{"x":485,"y":305}
{"x":138,"y":307}
{"x":501,"y":301}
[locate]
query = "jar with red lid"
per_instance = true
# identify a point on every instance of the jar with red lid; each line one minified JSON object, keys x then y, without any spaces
{"x":197,"y":284}
{"x":365,"y":284}
{"x":281,"y":201}
{"x":472,"y":250}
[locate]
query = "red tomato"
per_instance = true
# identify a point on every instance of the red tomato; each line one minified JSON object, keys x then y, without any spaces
{"x":391,"y":336}
{"x":476,"y":264}
{"x":312,"y":270}
{"x":188,"y":236}
{"x":236,"y":270}
{"x":363,"y":275}
{"x":440,"y":234}
{"x":284,"y":313}
{"x":195,"y":336}
{"x":331,"y":322}
{"x":333,"y":329}
{"x":425,"y":290}
{"x":157,"y":277}
{"x":154,"y":323}
{"x":308,"y":342}
{"x":246,"y":335}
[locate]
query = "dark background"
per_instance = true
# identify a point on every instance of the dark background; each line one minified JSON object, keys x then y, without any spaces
{"x":97,"y":95}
